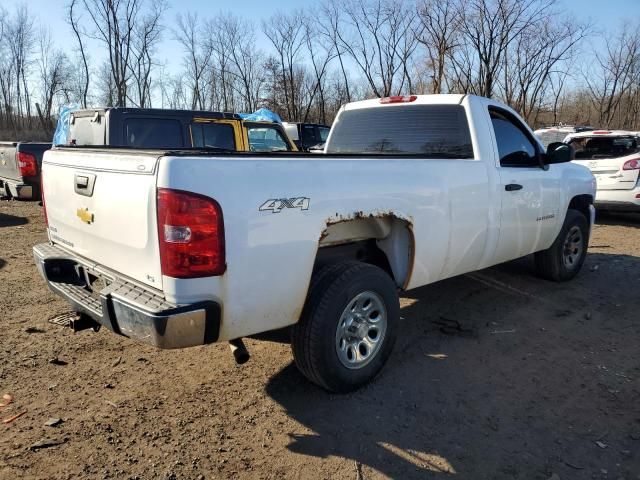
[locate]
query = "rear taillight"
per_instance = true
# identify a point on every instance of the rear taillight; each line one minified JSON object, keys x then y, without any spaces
{"x":398,"y":99}
{"x":44,"y":206}
{"x":191,"y":235}
{"x":632,"y":164}
{"x":27,"y":164}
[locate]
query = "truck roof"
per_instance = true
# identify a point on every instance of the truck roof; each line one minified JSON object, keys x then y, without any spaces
{"x":433,"y":99}
{"x":84,"y":112}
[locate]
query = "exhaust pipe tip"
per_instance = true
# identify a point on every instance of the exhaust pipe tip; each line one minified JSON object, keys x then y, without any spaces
{"x":239,"y":351}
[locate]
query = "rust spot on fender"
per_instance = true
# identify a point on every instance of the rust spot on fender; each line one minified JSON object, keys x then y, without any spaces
{"x":359,"y":215}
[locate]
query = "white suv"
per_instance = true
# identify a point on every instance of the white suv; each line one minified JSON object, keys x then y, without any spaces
{"x":613,"y":156}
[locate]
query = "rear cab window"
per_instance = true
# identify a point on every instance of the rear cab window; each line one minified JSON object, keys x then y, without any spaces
{"x":435,"y":131}
{"x":596,"y":147}
{"x":152,"y":132}
{"x":87,"y":129}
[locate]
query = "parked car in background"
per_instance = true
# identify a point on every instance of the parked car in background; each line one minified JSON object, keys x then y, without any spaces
{"x":204,"y":246}
{"x":20,"y":169}
{"x":307,"y":136}
{"x":557,"y":133}
{"x":174,"y":129}
{"x":613,"y":156}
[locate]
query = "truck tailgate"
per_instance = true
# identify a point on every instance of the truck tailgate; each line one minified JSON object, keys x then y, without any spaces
{"x":8,"y":164}
{"x":102,"y":206}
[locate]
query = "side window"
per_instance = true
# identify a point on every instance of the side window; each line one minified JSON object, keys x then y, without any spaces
{"x":309,"y":136}
{"x":324,"y":133}
{"x":213,"y":135}
{"x":514,"y":146}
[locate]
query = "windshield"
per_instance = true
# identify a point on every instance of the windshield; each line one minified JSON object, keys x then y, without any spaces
{"x":604,"y":147}
{"x":437,"y":131}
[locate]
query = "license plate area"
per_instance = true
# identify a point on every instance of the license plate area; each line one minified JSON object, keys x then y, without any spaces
{"x":94,"y":282}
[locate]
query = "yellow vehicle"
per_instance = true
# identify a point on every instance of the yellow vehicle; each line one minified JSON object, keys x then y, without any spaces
{"x":174,"y":129}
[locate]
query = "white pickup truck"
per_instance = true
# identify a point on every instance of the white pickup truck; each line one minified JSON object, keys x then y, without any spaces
{"x":189,"y":247}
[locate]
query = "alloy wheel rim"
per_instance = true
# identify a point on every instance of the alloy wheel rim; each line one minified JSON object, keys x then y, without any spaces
{"x":361,"y":330}
{"x":573,"y":247}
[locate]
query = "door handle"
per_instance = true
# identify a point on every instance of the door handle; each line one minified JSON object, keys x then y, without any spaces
{"x":512,"y":187}
{"x":82,"y":182}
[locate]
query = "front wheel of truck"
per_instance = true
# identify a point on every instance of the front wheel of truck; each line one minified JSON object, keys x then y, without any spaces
{"x":348,"y":326}
{"x":563,"y":260}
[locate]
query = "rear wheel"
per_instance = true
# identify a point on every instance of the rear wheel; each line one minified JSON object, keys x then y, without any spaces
{"x":563,"y":260}
{"x":348,"y":327}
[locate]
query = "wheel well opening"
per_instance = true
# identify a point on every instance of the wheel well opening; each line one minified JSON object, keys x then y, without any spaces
{"x":385,"y":241}
{"x":581,"y":203}
{"x":366,"y":251}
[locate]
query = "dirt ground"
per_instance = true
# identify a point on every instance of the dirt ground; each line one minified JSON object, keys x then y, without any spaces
{"x":495,"y":375}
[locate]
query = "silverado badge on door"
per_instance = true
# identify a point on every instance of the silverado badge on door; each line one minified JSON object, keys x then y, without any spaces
{"x":84,"y":215}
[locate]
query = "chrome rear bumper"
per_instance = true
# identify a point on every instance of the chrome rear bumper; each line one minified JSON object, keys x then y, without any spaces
{"x":125,"y":307}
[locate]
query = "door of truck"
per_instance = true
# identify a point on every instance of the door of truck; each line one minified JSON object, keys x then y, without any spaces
{"x":530,"y":194}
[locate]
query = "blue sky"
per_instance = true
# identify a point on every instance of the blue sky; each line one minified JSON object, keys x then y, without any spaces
{"x":604,"y":14}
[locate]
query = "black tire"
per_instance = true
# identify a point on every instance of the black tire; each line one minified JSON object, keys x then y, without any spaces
{"x":551,"y":264}
{"x":314,"y":337}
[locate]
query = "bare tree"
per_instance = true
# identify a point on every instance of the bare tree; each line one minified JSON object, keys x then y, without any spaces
{"x":146,"y":36}
{"x":197,"y":56}
{"x":615,"y":75}
{"x":239,"y":59}
{"x":321,"y":53}
{"x":53,"y":68}
{"x":79,"y":34}
{"x":380,"y":38}
{"x":535,"y":57}
{"x":329,"y":26}
{"x":439,"y":36}
{"x":489,"y":28}
{"x":20,"y":38}
{"x":115,"y":23}
{"x":287,"y":36}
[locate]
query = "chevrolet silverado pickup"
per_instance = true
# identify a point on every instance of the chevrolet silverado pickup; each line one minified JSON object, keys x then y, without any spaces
{"x":20,"y":169}
{"x":200,"y":247}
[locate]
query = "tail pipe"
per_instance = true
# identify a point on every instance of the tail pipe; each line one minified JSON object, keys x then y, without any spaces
{"x":240,"y":353}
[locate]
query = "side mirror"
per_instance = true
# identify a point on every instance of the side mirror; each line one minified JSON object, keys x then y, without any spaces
{"x":558,"y":152}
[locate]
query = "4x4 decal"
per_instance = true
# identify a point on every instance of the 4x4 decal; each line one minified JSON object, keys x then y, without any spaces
{"x":275,"y":205}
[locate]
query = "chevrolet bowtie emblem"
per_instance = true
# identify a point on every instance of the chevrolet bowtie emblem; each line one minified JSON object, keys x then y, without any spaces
{"x":84,"y":215}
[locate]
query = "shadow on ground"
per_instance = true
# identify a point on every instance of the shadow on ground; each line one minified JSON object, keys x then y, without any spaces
{"x":12,"y":220}
{"x":494,"y":375}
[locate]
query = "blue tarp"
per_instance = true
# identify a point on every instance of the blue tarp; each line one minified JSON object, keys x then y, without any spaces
{"x":261,"y":115}
{"x":62,"y":128}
